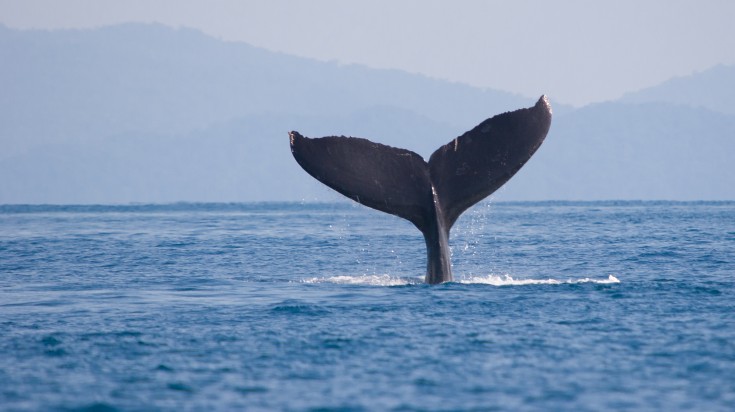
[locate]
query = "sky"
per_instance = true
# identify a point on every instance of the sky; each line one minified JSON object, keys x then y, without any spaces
{"x":578,"y":52}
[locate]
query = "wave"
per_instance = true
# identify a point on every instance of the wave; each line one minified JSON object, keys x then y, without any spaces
{"x":507,"y":280}
{"x":494,"y":280}
{"x":367,"y":280}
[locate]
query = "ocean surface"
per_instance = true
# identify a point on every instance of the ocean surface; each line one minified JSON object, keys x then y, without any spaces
{"x":287,"y":306}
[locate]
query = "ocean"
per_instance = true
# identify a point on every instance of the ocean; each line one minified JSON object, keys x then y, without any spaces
{"x":583,"y":306}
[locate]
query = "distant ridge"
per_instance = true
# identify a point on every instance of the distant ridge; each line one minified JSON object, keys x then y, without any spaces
{"x":154,"y":79}
{"x":623,"y":151}
{"x":147,"y":113}
{"x":713,"y":89}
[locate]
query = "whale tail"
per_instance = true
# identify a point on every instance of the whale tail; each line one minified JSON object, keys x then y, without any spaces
{"x":431,"y":195}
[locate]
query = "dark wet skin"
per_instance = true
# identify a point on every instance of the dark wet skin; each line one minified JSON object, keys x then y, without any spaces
{"x":432,"y":195}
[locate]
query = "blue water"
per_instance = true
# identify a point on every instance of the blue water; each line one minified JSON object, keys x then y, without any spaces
{"x":557,"y":306}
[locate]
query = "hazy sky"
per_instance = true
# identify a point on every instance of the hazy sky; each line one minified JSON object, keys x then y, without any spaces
{"x":576,"y":51}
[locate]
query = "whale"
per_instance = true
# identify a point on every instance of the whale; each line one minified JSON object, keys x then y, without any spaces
{"x":431,"y":195}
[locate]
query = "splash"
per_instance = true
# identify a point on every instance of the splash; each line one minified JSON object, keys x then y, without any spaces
{"x":507,"y":280}
{"x":367,"y":280}
{"x":495,"y":280}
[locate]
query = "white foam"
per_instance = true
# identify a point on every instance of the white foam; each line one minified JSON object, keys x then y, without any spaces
{"x":367,"y":280}
{"x":495,"y":280}
{"x":507,"y":280}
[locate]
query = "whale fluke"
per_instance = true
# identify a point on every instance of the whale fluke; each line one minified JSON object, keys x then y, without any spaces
{"x":430,"y":195}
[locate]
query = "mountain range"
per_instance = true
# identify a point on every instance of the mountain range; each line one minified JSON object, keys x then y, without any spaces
{"x":148,"y":113}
